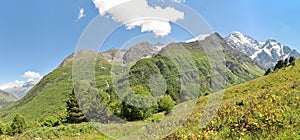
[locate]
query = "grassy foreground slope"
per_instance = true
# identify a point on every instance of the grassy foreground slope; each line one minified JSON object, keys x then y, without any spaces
{"x":264,"y":108}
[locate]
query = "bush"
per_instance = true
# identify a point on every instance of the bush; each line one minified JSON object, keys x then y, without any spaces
{"x":2,"y":129}
{"x":167,"y":104}
{"x":138,"y":106}
{"x":18,"y":125}
{"x":51,"y":122}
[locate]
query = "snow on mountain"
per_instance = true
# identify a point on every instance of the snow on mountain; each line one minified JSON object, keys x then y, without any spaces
{"x":265,"y":54}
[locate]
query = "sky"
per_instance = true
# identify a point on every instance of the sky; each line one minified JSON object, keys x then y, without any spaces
{"x":36,"y":36}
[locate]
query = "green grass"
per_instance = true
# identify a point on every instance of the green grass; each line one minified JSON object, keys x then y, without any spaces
{"x":264,"y":108}
{"x":63,"y":132}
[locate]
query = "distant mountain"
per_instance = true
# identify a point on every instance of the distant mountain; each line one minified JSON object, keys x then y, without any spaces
{"x":6,"y":98}
{"x":265,"y":54}
{"x":21,"y":90}
{"x":49,"y":96}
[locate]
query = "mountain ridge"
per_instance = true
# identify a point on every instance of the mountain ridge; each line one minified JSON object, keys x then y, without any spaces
{"x":265,"y":53}
{"x":51,"y":93}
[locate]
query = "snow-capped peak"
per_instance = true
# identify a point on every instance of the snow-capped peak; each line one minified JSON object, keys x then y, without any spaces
{"x":264,"y":53}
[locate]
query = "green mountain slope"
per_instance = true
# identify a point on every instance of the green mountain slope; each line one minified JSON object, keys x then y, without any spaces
{"x":49,"y":96}
{"x":6,"y":98}
{"x":264,"y":108}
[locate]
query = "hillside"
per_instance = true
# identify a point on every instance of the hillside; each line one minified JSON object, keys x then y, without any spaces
{"x":264,"y":108}
{"x":6,"y":98}
{"x":49,"y":96}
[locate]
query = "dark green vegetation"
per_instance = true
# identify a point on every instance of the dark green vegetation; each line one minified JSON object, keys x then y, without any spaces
{"x":6,"y":98}
{"x":46,"y":105}
{"x":74,"y":113}
{"x":282,"y":64}
{"x":264,"y":108}
{"x":18,"y":126}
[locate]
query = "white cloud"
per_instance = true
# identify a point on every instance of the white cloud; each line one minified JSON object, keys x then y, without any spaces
{"x":32,"y":75}
{"x":137,"y":13}
{"x":81,"y":14}
{"x":11,"y":85}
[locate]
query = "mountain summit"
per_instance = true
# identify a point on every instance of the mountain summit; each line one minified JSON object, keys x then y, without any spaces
{"x":265,"y":53}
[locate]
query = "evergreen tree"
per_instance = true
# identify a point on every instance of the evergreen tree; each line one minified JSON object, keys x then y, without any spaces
{"x":75,"y":114}
{"x":279,"y":65}
{"x":286,"y":62}
{"x":18,"y":125}
{"x":292,"y":60}
{"x":268,"y":71}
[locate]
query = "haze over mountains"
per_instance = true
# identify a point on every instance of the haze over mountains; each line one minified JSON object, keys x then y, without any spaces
{"x":265,"y":53}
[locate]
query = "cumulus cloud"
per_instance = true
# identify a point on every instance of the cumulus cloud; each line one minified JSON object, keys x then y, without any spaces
{"x":32,"y":75}
{"x":137,"y":13}
{"x":29,"y":75}
{"x":81,"y":14}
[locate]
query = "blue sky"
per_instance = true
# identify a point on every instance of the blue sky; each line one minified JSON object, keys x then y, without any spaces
{"x":37,"y":35}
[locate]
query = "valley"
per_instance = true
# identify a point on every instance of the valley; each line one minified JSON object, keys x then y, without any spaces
{"x":246,"y":110}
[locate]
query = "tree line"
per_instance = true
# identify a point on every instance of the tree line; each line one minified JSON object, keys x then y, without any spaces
{"x":282,"y":64}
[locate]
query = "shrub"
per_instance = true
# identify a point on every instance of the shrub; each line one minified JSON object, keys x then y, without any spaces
{"x":138,"y":106}
{"x":18,"y":125}
{"x":2,"y":129}
{"x":51,"y":122}
{"x":167,"y":104}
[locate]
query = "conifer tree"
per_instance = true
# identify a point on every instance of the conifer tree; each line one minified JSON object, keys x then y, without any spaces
{"x":279,"y":65}
{"x":268,"y":71}
{"x":75,"y":114}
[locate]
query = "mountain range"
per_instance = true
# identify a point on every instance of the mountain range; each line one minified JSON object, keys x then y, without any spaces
{"x":247,"y":110}
{"x":265,"y":53}
{"x":48,"y":97}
